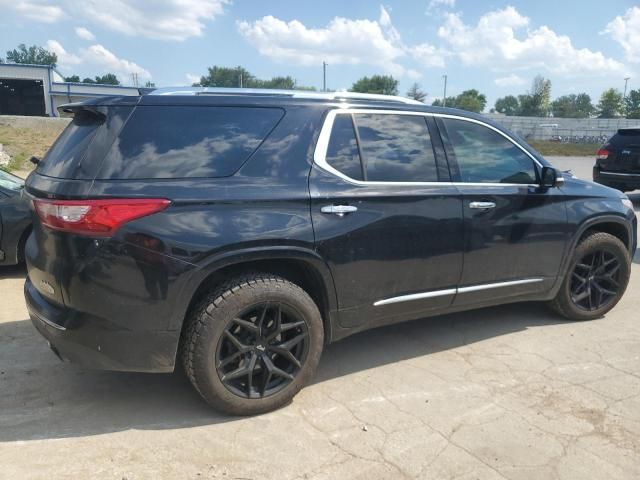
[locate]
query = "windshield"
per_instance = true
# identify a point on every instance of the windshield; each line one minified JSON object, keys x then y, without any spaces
{"x":10,"y":182}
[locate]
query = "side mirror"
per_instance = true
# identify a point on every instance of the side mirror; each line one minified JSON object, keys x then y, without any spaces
{"x":550,"y":178}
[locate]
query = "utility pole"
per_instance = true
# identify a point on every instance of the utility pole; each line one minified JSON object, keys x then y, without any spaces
{"x":240,"y":79}
{"x":626,"y":80}
{"x":444,"y":98}
{"x":324,"y":76}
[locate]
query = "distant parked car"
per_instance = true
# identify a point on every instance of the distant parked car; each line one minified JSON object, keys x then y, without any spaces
{"x":239,"y":232}
{"x":15,"y":219}
{"x":618,"y":161}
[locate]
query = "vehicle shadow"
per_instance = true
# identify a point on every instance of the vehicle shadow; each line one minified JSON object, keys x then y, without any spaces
{"x":41,"y":397}
{"x":13,"y":272}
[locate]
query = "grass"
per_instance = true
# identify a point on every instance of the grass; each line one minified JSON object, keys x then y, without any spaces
{"x":22,"y":143}
{"x":546,"y":147}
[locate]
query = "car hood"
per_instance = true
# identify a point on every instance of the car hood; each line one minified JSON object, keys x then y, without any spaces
{"x":573,"y":184}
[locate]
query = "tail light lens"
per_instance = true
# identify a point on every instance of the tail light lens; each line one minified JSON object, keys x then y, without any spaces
{"x":100,"y":218}
{"x":602,"y":154}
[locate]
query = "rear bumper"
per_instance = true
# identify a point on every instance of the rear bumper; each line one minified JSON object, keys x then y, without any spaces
{"x":616,"y":178}
{"x":94,"y":342}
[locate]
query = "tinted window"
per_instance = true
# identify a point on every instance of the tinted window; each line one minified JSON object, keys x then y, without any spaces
{"x":179,"y":142}
{"x":67,"y":152}
{"x":485,"y":156}
{"x":396,"y":148}
{"x":342,"y":152}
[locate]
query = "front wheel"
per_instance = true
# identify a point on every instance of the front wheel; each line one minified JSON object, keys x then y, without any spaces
{"x":252,"y":344}
{"x":596,"y":280}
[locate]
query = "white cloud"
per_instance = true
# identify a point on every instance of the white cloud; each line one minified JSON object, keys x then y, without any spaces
{"x":625,"y":30}
{"x":84,"y":34}
{"x":512,"y":80}
{"x":97,"y":59}
{"x":107,"y":61}
{"x":494,"y":42}
{"x":439,"y":5}
{"x":342,"y":41}
{"x":163,"y":19}
{"x":191,"y":78}
{"x":37,"y":11}
{"x":428,"y":55}
{"x":65,"y":59}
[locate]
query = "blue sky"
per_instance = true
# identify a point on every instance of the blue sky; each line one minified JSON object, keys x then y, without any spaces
{"x":496,"y":46}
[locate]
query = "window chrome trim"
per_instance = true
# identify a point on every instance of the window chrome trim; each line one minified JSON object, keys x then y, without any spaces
{"x":619,"y":174}
{"x":322,"y":145}
{"x":452,"y":291}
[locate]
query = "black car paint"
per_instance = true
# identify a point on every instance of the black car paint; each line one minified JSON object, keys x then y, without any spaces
{"x":119,"y":303}
{"x":621,"y":167}
{"x":15,"y":224}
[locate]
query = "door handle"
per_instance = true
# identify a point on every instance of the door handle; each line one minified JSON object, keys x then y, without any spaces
{"x":482,"y":205}
{"x":339,"y":210}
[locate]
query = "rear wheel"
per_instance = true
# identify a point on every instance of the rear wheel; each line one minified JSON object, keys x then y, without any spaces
{"x":252,"y":344}
{"x":596,"y":280}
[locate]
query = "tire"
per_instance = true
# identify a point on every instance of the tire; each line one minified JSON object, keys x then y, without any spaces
{"x":227,"y":353}
{"x":573,"y":287}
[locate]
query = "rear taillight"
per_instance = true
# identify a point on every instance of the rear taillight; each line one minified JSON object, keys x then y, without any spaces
{"x":602,"y":154}
{"x":99,"y":218}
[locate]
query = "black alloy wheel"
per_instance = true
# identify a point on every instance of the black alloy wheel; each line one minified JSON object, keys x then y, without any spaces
{"x":595,"y":280}
{"x":262,"y":349}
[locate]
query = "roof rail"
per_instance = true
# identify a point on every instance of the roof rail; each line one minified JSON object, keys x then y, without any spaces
{"x":266,"y":92}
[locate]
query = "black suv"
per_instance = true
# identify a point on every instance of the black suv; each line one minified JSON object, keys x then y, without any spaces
{"x":618,"y":161}
{"x":238,"y":233}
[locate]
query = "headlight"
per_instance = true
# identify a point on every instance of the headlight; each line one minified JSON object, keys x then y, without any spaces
{"x":627,"y":201}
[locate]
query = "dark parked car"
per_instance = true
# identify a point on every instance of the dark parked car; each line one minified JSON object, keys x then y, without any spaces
{"x":238,"y":233}
{"x":618,"y":161}
{"x":15,"y":219}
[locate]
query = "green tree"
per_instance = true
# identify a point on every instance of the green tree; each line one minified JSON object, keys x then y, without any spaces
{"x":286,"y":83}
{"x":584,"y":106}
{"x":470,"y":100}
{"x":572,"y":106}
{"x":508,"y":105}
{"x":611,"y":104}
{"x":225,"y":77}
{"x":150,"y":84}
{"x":382,"y":84}
{"x":88,"y":80}
{"x":72,"y":78}
{"x":107,"y":79}
{"x":34,"y":55}
{"x":450,"y":103}
{"x":416,"y":93}
{"x":632,"y":104}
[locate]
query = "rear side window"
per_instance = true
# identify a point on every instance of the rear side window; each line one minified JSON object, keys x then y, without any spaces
{"x":181,"y":142}
{"x":485,"y":156}
{"x":70,"y":147}
{"x":396,"y":148}
{"x":342,"y":152}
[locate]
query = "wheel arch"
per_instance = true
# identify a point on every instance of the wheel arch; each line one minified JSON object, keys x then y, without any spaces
{"x":301,"y":266}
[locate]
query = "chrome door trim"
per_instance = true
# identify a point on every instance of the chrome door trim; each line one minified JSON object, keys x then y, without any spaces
{"x":451,"y":291}
{"x":415,"y":296}
{"x":487,"y":286}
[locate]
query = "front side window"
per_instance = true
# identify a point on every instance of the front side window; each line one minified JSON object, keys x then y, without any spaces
{"x":485,"y":156}
{"x":396,"y":148}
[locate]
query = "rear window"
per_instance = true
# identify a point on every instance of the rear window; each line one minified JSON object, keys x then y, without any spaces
{"x":67,"y":152}
{"x":181,"y":142}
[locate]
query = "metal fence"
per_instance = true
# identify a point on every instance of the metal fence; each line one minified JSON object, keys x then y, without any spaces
{"x":566,"y":130}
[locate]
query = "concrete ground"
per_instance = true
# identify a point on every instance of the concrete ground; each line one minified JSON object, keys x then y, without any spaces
{"x":511,"y":392}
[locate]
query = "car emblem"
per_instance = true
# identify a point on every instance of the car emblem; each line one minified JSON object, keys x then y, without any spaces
{"x":47,"y":287}
{"x":626,"y":152}
{"x":262,"y":348}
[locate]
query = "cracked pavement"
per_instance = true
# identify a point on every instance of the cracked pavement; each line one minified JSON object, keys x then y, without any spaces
{"x":512,"y":392}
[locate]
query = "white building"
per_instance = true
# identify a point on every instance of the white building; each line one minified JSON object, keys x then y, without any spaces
{"x":39,"y":90}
